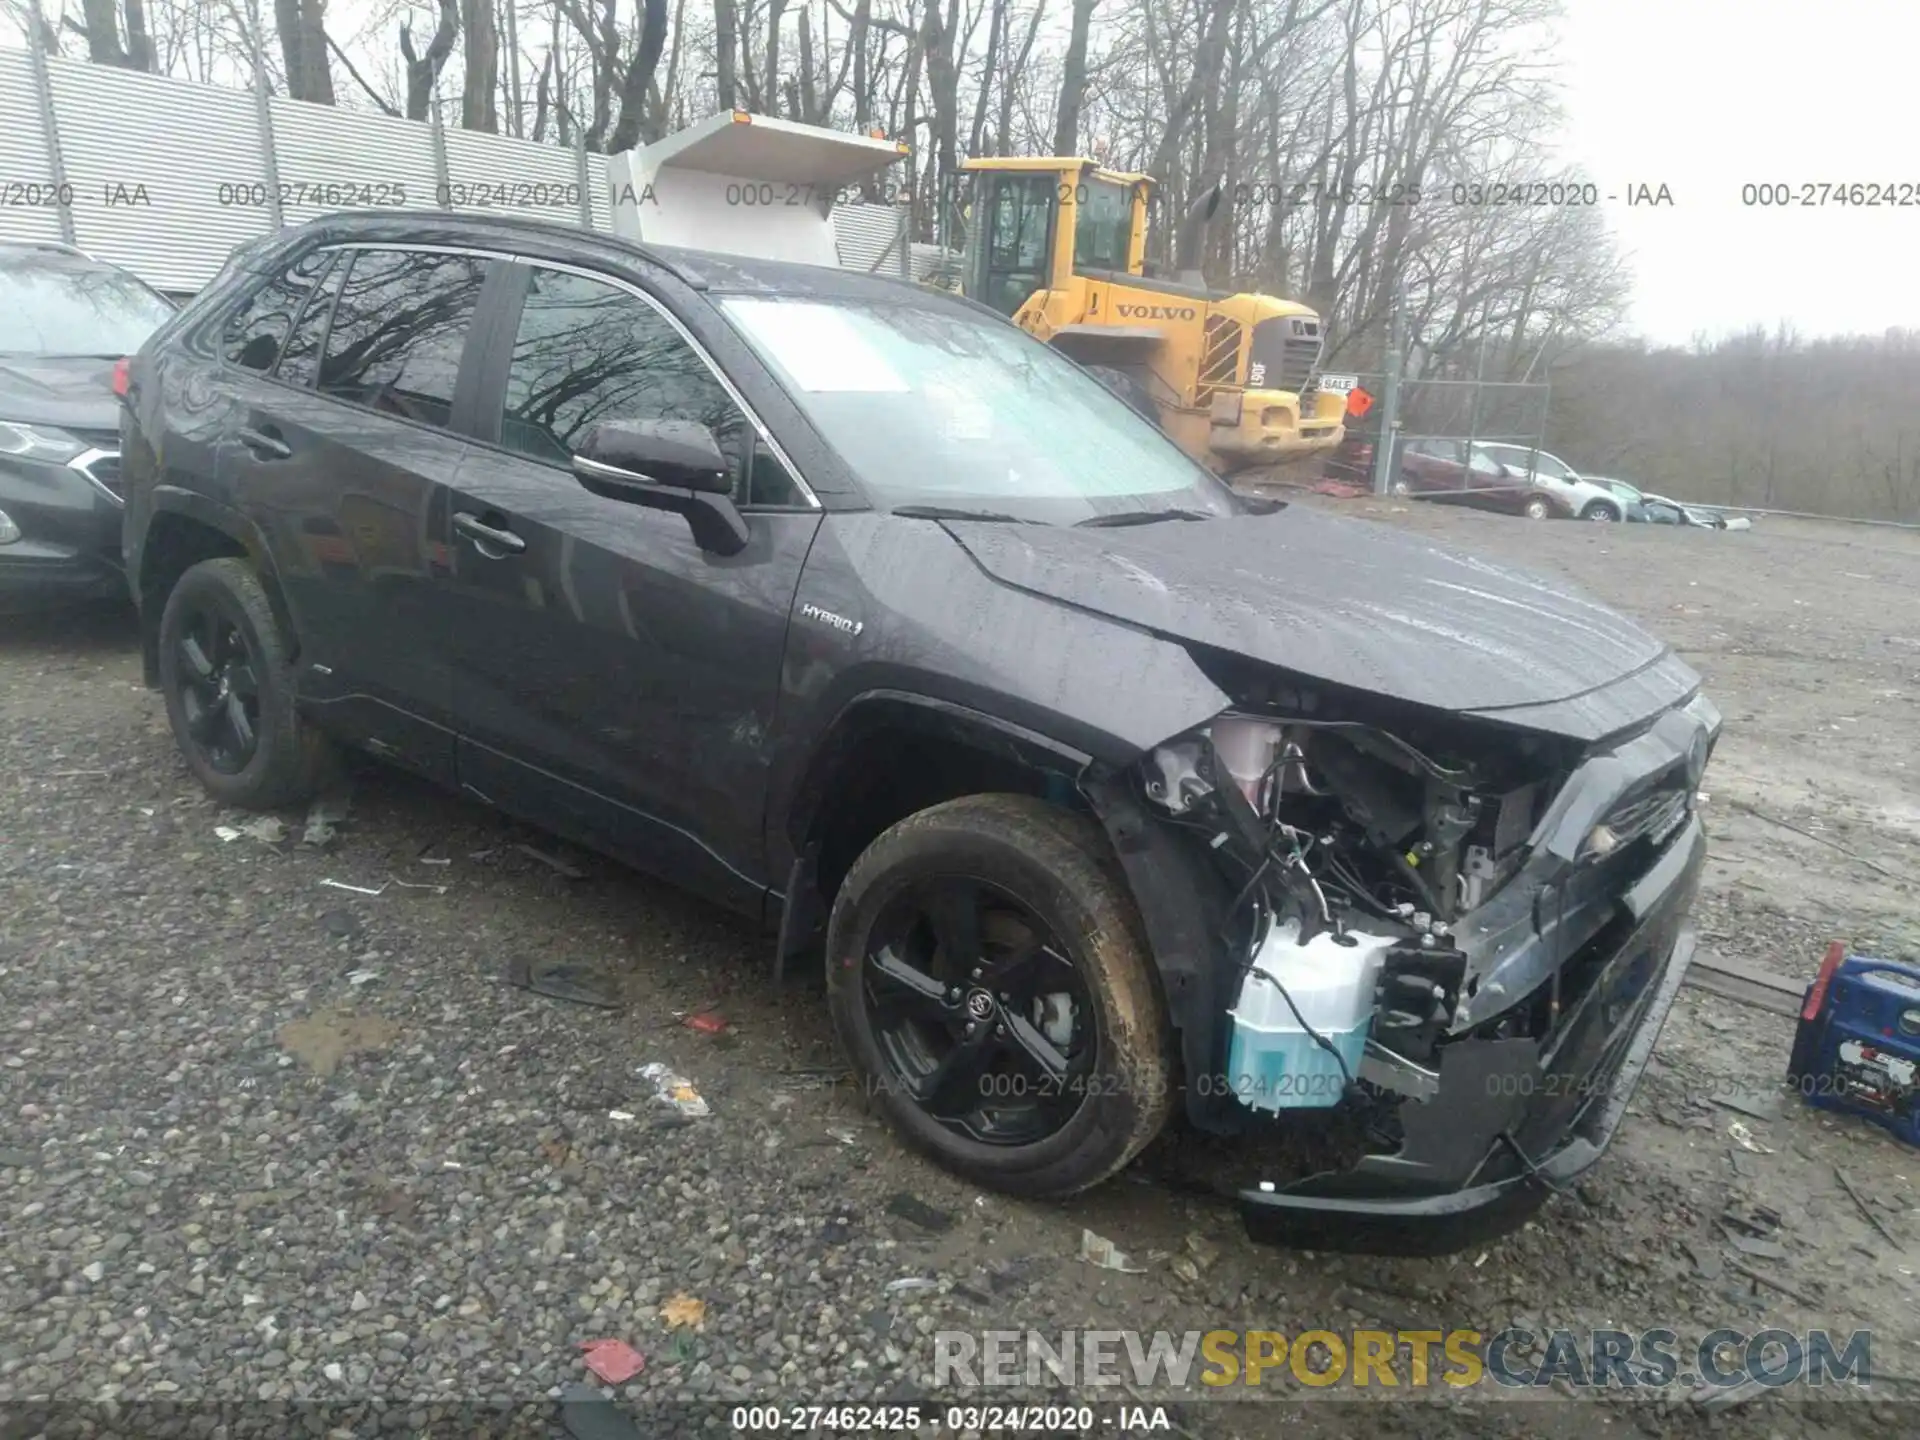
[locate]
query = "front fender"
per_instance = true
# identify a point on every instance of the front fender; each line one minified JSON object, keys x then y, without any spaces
{"x":1183,"y":904}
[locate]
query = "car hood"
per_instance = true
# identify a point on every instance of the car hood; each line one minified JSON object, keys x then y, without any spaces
{"x":1348,"y":603}
{"x":74,"y":391}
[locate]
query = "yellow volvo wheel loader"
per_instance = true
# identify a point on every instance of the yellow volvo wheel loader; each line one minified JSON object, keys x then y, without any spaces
{"x":1059,"y":245}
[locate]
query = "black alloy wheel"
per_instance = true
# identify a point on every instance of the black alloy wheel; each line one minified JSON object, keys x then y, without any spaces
{"x":978,"y":1013}
{"x":989,"y":978}
{"x":227,"y":674}
{"x":219,"y":687}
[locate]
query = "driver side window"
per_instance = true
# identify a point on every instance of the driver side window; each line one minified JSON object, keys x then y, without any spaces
{"x":588,"y":351}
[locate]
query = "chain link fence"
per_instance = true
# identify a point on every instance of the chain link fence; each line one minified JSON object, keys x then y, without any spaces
{"x":1448,"y":437}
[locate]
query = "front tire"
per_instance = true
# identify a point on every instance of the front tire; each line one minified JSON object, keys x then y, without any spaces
{"x":1600,"y":511}
{"x":228,"y":682}
{"x":986,"y":974}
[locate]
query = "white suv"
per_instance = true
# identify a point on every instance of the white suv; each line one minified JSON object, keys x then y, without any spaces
{"x":1558,"y":488}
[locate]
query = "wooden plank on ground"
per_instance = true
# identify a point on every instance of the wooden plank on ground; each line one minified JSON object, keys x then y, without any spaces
{"x":1745,"y":983}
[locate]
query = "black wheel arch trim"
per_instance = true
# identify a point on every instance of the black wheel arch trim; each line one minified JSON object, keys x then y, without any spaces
{"x":215,"y":515}
{"x":1183,"y":904}
{"x":866,"y":714}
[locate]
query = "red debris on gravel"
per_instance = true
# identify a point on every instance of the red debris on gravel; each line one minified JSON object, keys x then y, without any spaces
{"x":614,"y":1361}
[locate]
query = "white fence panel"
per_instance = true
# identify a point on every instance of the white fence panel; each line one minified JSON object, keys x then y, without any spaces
{"x":869,"y":238}
{"x":333,"y":159}
{"x":147,"y":156}
{"x":166,"y":176}
{"x":29,"y":204}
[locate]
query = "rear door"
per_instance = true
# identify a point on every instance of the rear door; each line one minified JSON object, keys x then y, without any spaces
{"x":614,"y":681}
{"x":341,"y":445}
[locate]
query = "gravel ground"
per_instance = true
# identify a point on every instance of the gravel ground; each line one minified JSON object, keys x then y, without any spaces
{"x":262,"y":1139}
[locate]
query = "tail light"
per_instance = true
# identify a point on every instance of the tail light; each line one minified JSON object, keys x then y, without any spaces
{"x":121,"y":381}
{"x":1817,"y":992}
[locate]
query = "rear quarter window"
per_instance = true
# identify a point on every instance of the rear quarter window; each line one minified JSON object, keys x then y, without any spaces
{"x":257,"y":330}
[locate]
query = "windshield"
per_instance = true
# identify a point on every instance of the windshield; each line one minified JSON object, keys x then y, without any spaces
{"x":935,"y":405}
{"x":1624,"y":490}
{"x":58,"y":306}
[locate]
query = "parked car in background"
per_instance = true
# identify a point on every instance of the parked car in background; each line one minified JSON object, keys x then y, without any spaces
{"x":65,"y":320}
{"x":1633,"y":504}
{"x":1513,"y":479}
{"x":1436,"y":468}
{"x":1452,"y":472}
{"x":850,"y":605}
{"x":1568,"y":493}
{"x":1663,"y":511}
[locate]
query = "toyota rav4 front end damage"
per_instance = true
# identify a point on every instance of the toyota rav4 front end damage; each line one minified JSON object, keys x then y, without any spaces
{"x":1507,"y":904}
{"x":1404,"y":838}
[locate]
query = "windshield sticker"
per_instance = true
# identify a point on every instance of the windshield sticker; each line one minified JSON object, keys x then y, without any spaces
{"x":818,"y":346}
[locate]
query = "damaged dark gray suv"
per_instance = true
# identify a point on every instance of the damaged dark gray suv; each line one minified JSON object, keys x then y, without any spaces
{"x":845,"y":603}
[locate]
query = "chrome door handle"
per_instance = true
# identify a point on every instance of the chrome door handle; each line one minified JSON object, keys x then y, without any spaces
{"x":484,"y":536}
{"x":266,"y":446}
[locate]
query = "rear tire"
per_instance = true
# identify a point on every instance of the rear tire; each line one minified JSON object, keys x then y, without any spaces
{"x":228,"y":682}
{"x":1021,"y":855}
{"x":1538,"y":507}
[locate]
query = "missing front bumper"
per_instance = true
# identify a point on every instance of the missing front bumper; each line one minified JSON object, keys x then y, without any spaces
{"x":1508,"y":1181}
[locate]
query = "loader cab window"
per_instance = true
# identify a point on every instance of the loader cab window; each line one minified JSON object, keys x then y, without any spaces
{"x":1103,"y":228}
{"x":1012,"y":240}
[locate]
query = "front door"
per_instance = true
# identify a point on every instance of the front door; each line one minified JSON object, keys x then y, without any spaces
{"x":614,"y":681}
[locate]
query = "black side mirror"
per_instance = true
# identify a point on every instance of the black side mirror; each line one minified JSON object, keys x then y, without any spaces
{"x":665,"y":465}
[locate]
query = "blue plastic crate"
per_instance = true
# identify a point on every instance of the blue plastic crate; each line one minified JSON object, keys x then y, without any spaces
{"x":1857,"y":1050}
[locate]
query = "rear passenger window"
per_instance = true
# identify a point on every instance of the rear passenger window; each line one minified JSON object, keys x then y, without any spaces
{"x":256,"y":331}
{"x":399,"y":325}
{"x":300,"y":357}
{"x":587,"y":351}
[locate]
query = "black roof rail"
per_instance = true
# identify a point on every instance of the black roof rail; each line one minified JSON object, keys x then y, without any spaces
{"x":486,"y":220}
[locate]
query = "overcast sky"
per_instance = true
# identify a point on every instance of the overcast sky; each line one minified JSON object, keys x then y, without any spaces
{"x":1708,"y":95}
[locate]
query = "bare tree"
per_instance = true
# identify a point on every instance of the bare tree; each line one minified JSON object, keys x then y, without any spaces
{"x":100,"y":25}
{"x":636,"y":121}
{"x":1073,"y":81}
{"x":303,"y":47}
{"x":726,"y":53}
{"x":478,"y":110}
{"x":423,"y":68}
